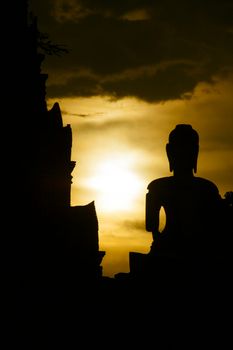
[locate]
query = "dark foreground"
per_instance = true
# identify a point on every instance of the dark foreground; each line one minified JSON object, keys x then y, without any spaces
{"x":166,"y":312}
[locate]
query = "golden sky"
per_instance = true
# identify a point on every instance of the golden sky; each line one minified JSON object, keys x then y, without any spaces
{"x":119,"y":147}
{"x":134,"y":71}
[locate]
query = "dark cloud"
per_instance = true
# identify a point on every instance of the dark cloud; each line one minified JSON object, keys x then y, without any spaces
{"x":75,"y":86}
{"x":81,"y":115}
{"x":166,"y":84}
{"x":153,"y":50}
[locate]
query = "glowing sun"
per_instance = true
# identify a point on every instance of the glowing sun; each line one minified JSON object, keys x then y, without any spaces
{"x":116,"y":185}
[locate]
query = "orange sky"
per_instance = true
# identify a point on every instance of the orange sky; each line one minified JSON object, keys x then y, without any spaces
{"x":119,"y":147}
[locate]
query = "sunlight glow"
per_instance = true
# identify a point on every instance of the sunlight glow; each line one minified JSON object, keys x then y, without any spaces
{"x":116,"y":185}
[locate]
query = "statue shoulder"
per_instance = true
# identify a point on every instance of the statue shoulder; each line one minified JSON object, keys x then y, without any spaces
{"x":207,"y":184}
{"x":159,"y":183}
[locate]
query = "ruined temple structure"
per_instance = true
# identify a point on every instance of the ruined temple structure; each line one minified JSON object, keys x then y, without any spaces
{"x":50,"y":242}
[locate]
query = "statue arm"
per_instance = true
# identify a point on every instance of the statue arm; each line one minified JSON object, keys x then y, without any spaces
{"x":152,"y":214}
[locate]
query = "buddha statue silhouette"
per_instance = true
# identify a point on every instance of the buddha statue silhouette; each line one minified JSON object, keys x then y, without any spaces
{"x":197,"y":235}
{"x":191,"y":203}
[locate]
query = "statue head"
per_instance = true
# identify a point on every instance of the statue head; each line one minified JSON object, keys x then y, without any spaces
{"x":182,"y":148}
